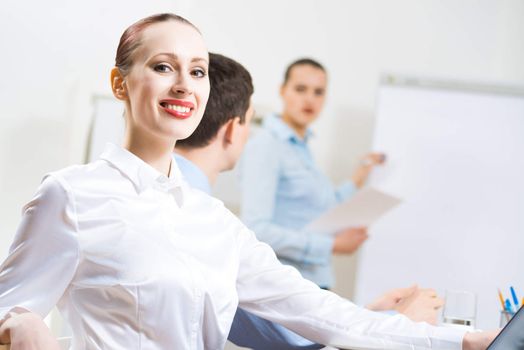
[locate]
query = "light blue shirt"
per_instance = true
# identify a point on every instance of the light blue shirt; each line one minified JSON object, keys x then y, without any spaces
{"x":282,"y":191}
{"x":247,"y":329}
{"x":194,"y":176}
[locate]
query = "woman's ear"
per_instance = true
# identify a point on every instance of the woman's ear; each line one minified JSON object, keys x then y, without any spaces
{"x":118,"y":84}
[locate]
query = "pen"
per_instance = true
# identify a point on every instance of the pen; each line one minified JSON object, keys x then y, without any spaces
{"x":501,"y":298}
{"x":508,"y":307}
{"x":514,"y":295}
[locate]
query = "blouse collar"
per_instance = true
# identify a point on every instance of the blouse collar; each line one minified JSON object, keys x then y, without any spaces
{"x":143,"y":175}
{"x":275,"y":123}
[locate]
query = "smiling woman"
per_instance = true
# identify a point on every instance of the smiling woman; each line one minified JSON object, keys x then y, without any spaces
{"x":136,"y":259}
{"x":162,"y":78}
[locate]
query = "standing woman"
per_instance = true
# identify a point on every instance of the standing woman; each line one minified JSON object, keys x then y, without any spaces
{"x":283,"y":189}
{"x":136,"y":259}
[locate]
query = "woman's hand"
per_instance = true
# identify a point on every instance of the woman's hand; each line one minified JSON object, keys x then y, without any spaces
{"x":349,"y":240}
{"x":27,"y":331}
{"x":366,"y":165}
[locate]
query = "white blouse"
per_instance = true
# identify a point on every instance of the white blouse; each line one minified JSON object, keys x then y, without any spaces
{"x":137,"y":260}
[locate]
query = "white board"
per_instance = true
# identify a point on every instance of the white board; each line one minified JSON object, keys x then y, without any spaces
{"x":455,"y":157}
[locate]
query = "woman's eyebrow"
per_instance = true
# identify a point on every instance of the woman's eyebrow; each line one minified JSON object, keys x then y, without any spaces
{"x":175,"y":57}
{"x":200,"y":59}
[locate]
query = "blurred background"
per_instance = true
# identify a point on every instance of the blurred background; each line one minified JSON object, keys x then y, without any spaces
{"x":57,"y":54}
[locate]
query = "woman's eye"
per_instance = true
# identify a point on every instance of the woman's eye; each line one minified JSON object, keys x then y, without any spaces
{"x":199,"y":73}
{"x":300,"y":89}
{"x":162,"y":68}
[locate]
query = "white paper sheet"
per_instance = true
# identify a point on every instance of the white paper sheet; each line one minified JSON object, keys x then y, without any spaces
{"x":362,"y":209}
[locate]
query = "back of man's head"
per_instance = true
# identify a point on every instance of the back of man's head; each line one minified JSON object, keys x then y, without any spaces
{"x":230,"y":95}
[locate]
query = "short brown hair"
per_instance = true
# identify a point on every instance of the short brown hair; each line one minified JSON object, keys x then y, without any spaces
{"x":230,"y":95}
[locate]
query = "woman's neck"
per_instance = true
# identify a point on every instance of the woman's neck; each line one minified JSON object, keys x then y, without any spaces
{"x":153,"y":151}
{"x":299,"y":129}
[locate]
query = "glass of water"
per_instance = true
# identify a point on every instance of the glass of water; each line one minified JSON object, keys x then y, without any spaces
{"x":460,"y":309}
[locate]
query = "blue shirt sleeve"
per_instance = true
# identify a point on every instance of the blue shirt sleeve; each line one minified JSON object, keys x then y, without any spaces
{"x":257,"y":333}
{"x":346,"y":190}
{"x":259,"y":176}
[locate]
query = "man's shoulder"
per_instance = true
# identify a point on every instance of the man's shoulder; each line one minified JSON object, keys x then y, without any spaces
{"x":264,"y":138}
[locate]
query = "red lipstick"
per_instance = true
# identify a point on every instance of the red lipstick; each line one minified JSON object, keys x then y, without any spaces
{"x":178,"y":108}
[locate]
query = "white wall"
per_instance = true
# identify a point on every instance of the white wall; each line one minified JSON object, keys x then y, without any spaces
{"x":56,"y":54}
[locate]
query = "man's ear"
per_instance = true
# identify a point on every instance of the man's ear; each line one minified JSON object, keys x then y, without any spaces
{"x":118,"y":84}
{"x":230,"y":128}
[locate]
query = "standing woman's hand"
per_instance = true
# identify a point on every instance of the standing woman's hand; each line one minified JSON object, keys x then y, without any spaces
{"x":349,"y":240}
{"x":366,"y":165}
{"x":27,"y":331}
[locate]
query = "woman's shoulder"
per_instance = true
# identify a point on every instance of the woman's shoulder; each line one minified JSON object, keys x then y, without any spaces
{"x":201,"y":199}
{"x":79,"y":175}
{"x":55,"y":190}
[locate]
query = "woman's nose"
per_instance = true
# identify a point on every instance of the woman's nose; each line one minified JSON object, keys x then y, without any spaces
{"x":182,"y":85}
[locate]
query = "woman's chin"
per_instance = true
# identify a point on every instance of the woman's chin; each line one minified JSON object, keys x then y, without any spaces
{"x":184,"y":134}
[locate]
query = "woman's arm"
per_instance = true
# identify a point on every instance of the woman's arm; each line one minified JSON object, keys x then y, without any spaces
{"x":42,"y":259}
{"x":278,"y":293}
{"x":259,"y":177}
{"x":367,"y":163}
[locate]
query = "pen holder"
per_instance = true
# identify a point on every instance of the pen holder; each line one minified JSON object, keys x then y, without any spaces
{"x":505,"y":316}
